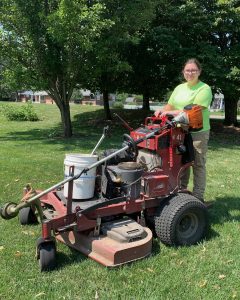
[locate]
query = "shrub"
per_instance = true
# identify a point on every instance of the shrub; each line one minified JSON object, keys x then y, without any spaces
{"x":25,"y":112}
{"x":117,"y":104}
{"x":139,"y":99}
{"x":121,"y":97}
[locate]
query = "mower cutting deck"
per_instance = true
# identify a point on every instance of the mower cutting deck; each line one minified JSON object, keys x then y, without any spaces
{"x":107,"y":208}
{"x":121,"y":240}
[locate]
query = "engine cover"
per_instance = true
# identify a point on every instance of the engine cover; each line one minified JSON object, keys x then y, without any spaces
{"x":149,"y":159}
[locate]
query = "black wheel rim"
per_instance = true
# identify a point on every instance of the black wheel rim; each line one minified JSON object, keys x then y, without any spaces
{"x":187,"y":226}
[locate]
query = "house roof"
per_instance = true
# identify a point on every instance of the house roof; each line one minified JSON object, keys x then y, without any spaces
{"x":26,"y":93}
{"x":41,"y":93}
{"x":31,"y":93}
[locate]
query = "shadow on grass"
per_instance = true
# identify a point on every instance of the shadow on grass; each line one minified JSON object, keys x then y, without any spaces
{"x":211,"y":233}
{"x":84,"y":125}
{"x":221,"y":211}
{"x":156,"y":247}
{"x":223,"y":136}
{"x":74,"y":257}
{"x":88,"y":128}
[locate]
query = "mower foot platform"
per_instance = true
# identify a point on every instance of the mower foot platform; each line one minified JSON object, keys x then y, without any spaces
{"x":113,"y":247}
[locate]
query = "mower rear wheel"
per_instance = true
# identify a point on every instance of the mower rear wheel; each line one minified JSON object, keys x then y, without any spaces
{"x":27,"y":216}
{"x":47,"y":256}
{"x":183,"y":220}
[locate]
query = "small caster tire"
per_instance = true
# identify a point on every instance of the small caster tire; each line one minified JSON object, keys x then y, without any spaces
{"x":27,"y":216}
{"x":5,"y":211}
{"x":47,"y":256}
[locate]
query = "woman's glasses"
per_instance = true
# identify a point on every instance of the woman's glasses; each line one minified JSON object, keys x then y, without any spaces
{"x":190,"y":71}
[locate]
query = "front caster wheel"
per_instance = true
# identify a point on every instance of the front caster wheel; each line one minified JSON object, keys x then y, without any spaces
{"x":27,"y":216}
{"x":47,"y":256}
{"x":8,"y":211}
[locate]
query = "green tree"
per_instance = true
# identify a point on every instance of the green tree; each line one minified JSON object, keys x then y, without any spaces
{"x":48,"y":42}
{"x":208,"y":30}
{"x":177,"y":33}
{"x":108,"y":60}
{"x":76,"y":94}
{"x":226,"y":36}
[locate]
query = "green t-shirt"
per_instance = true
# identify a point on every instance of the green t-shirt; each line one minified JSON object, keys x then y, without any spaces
{"x":200,"y":94}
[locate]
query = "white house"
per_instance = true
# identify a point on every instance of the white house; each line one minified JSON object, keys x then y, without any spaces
{"x":218,"y":102}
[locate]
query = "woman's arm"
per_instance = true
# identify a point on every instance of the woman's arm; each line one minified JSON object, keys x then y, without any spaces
{"x":167,"y":107}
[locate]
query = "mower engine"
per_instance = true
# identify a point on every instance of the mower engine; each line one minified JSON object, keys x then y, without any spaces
{"x":123,"y":179}
{"x":154,"y":166}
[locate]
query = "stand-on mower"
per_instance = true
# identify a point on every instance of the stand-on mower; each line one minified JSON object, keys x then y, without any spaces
{"x":109,"y":208}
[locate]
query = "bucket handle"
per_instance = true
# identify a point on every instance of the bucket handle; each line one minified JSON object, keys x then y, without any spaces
{"x":71,"y":171}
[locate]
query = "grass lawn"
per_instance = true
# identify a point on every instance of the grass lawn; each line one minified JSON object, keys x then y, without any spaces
{"x":33,"y":152}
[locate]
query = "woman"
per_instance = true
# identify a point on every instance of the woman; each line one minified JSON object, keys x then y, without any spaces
{"x":194,"y":91}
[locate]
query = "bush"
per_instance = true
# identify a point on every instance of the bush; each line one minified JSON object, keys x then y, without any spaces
{"x":121,"y":97}
{"x":139,"y":99}
{"x":118,"y":104}
{"x":23,"y":113}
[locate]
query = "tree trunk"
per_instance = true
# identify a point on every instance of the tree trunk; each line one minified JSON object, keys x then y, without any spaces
{"x":61,"y":98}
{"x":66,"y":121}
{"x":106,"y":105}
{"x":146,"y":105}
{"x":230,"y":112}
{"x":64,"y":108}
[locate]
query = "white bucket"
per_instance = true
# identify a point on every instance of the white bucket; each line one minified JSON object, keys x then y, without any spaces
{"x":83,"y":187}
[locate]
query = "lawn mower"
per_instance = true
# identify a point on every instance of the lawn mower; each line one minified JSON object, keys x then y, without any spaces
{"x":109,"y":207}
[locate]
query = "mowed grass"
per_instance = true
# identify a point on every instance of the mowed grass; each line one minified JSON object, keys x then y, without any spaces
{"x":33,"y":152}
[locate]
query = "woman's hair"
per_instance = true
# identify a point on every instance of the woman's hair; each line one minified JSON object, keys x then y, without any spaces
{"x":193,"y":61}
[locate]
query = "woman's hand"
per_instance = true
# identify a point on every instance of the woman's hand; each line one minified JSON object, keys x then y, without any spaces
{"x":158,"y":113}
{"x":165,"y":109}
{"x":173,"y":113}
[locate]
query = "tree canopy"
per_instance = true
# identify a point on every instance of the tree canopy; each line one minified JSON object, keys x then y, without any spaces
{"x":208,"y":30}
{"x":46,"y":43}
{"x":109,"y":64}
